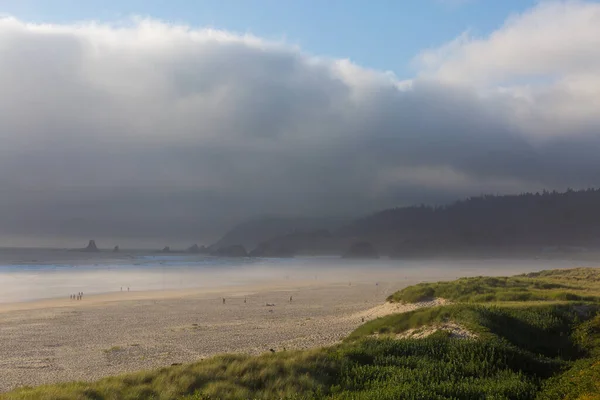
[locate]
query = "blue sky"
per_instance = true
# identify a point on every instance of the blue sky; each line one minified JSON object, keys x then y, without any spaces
{"x":382,"y":34}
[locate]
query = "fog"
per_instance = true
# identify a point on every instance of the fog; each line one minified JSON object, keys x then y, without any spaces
{"x":145,"y":133}
{"x":27,"y":275}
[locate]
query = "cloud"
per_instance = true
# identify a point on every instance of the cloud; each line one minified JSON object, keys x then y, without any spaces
{"x":551,"y":40}
{"x":154,"y":132}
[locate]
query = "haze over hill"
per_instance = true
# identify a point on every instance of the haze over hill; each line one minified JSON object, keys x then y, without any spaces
{"x":530,"y":222}
{"x":145,"y":132}
{"x":256,"y":231}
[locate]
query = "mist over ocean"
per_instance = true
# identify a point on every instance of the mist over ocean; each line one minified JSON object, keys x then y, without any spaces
{"x":30,"y":274}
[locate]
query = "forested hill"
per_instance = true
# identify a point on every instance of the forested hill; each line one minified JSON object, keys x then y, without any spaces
{"x":543,"y":219}
{"x":528,"y":222}
{"x":251,"y":233}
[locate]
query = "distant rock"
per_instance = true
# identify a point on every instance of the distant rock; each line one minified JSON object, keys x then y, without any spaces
{"x":193,"y":249}
{"x":116,"y":249}
{"x":362,"y":250}
{"x":91,"y":247}
{"x":235,"y":250}
{"x":197,"y":249}
{"x":166,"y":249}
{"x":271,"y":250}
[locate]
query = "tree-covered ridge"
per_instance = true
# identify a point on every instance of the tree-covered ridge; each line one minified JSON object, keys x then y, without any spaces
{"x":542,"y":219}
{"x":506,"y":224}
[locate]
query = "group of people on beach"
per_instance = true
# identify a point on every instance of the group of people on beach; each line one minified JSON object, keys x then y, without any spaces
{"x":77,"y":296}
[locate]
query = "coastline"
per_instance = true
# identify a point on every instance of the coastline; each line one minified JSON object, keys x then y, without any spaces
{"x":62,"y":340}
{"x":98,"y":299}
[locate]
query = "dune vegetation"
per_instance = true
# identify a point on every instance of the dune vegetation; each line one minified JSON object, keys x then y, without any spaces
{"x":534,"y":336}
{"x":578,"y":284}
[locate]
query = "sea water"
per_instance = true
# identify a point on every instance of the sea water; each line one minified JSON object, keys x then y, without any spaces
{"x":31,"y":274}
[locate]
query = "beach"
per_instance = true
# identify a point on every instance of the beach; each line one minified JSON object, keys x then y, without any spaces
{"x":62,"y":340}
{"x":58,"y":339}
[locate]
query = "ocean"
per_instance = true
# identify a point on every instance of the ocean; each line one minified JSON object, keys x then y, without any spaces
{"x":33,"y":274}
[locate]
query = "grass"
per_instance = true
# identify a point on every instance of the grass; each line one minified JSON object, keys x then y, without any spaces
{"x":579,"y":284}
{"x":229,"y":376}
{"x":431,"y":368}
{"x":540,"y":348}
{"x":582,"y":379}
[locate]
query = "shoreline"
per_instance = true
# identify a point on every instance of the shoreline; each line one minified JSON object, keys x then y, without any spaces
{"x":98,"y":299}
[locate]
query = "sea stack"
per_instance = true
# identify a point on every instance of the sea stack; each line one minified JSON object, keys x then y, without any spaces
{"x":116,"y":249}
{"x":91,"y":247}
{"x":166,"y":249}
{"x":194,"y":249}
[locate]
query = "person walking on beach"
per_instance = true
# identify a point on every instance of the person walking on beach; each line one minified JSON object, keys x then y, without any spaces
{"x":223,"y":300}
{"x":244,"y":300}
{"x":290,"y":299}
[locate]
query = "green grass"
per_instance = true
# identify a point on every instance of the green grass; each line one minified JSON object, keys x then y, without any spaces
{"x":540,"y":349}
{"x":579,"y":284}
{"x":582,"y":379}
{"x":544,"y":330}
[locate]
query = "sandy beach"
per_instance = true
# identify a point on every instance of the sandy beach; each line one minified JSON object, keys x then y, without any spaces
{"x":63,"y":340}
{"x":58,"y":340}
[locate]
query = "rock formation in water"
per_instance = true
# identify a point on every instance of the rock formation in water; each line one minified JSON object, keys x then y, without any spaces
{"x":362,"y":250}
{"x":91,"y":247}
{"x":193,"y":249}
{"x":166,"y":249}
{"x":197,"y":249}
{"x":267,"y":249}
{"x":116,"y":249}
{"x":235,"y":250}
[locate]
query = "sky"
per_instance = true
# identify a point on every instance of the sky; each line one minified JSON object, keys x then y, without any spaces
{"x":153,"y":122}
{"x":383,"y":35}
